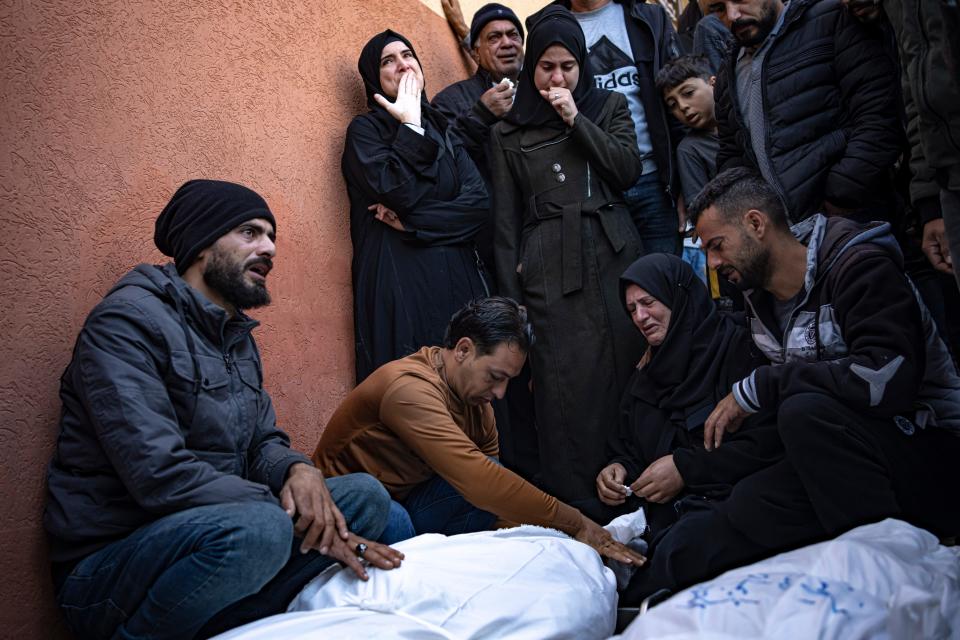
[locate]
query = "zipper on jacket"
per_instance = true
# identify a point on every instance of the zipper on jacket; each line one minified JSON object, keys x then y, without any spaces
{"x":228,"y":361}
{"x":588,"y":181}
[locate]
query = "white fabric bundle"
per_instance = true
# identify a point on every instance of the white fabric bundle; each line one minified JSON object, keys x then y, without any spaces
{"x":884,"y":580}
{"x":527,"y":582}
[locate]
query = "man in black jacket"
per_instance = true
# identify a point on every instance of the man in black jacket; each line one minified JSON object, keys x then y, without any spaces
{"x":474,"y":105}
{"x":172,"y":494}
{"x":629,"y":41}
{"x":867,"y":397}
{"x":809,"y":99}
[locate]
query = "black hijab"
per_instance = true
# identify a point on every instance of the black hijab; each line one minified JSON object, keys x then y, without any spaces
{"x":557,"y":25}
{"x":698,"y":360}
{"x":369,"y":67}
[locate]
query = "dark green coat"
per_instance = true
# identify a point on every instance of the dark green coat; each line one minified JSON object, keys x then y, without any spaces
{"x":562,"y":237}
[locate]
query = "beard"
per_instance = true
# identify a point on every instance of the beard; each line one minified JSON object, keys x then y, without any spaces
{"x":763,"y":25}
{"x":227,"y":278}
{"x":754,"y":267}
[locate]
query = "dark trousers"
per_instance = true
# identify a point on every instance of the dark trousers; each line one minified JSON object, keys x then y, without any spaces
{"x":858,"y":469}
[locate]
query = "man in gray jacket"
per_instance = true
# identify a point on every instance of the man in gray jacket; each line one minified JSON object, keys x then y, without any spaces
{"x":172,"y":493}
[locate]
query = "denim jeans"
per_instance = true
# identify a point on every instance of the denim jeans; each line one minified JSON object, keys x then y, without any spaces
{"x":435,"y":507}
{"x":170,"y":578}
{"x":654,"y":215}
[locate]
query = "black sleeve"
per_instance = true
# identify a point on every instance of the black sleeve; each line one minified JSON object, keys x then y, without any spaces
{"x":508,"y":209}
{"x":755,"y":446}
{"x":730,"y":153}
{"x":869,"y":88}
{"x":402,"y":174}
{"x":471,"y":125}
{"x":613,"y":151}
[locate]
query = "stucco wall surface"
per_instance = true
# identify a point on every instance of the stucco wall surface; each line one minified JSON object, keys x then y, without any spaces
{"x":107,"y":107}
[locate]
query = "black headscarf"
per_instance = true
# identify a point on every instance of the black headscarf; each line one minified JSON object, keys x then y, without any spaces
{"x":557,"y":25}
{"x":694,"y":367}
{"x":369,"y":67}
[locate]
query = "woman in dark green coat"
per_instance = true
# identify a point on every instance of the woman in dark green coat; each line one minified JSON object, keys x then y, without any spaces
{"x":560,"y":160}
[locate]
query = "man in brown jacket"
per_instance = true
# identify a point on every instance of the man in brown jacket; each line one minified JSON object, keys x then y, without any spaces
{"x":424,"y":427}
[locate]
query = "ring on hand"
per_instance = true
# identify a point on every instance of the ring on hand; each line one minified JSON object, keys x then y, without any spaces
{"x":556,"y":95}
{"x":360,"y":549}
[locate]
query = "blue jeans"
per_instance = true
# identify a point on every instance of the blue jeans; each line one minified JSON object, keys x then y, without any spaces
{"x":654,"y":215}
{"x":697,"y":260}
{"x":434,"y":507}
{"x":170,"y":578}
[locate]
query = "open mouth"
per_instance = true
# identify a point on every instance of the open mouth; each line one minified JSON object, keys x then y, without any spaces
{"x":259,"y":271}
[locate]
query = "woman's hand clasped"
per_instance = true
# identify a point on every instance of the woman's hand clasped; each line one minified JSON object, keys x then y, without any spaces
{"x":562,"y":100}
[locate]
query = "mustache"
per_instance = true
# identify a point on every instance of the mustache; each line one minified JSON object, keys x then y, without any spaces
{"x":863,"y":4}
{"x":739,"y":23}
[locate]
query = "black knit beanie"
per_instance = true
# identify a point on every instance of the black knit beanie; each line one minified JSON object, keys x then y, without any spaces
{"x":488,"y":13}
{"x":200,"y":212}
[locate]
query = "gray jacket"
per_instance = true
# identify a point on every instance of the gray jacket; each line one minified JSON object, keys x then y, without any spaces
{"x":163,"y":410}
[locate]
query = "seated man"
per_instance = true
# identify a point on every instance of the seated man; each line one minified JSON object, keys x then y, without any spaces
{"x":867,"y":398}
{"x":423,"y":426}
{"x":172,"y":493}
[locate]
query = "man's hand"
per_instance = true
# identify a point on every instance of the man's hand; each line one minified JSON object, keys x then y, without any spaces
{"x":562,"y":101}
{"x":498,"y":99}
{"x":379,"y":555}
{"x":935,"y":246}
{"x":726,"y":417}
{"x":660,"y":481}
{"x":304,"y":496}
{"x":595,"y":536}
{"x":610,"y":487}
{"x":387,"y":216}
{"x":406,"y":108}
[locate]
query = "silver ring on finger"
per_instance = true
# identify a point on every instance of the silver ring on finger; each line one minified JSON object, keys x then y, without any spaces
{"x":360,"y":549}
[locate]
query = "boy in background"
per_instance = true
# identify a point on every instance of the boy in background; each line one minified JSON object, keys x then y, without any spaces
{"x":686,"y":84}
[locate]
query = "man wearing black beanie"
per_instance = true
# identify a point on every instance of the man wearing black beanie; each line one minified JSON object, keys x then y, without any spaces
{"x":474,"y":105}
{"x":176,"y":507}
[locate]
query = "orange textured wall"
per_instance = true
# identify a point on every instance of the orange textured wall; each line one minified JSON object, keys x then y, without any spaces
{"x":107,"y":107}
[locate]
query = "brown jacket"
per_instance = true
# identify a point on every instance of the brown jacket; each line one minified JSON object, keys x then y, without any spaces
{"x":403,"y":425}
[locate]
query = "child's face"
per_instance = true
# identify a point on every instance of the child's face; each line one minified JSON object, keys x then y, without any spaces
{"x":691,"y":102}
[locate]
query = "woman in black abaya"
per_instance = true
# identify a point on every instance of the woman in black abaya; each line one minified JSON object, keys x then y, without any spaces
{"x":416,"y":204}
{"x":709,"y":510}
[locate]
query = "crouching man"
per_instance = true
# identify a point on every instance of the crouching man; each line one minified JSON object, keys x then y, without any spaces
{"x":176,"y":508}
{"x":866,"y":395}
{"x":424,"y":427}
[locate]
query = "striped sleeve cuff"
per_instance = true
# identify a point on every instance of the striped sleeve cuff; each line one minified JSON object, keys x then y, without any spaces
{"x":745,"y":393}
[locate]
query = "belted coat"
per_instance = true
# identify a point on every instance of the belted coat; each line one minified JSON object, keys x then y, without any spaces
{"x":562,"y":238}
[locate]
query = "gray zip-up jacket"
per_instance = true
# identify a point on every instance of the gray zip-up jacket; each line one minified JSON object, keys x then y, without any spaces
{"x":163,"y":410}
{"x":858,"y":332}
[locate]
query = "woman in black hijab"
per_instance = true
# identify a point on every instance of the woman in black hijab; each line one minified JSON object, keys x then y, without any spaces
{"x":416,"y":204}
{"x":561,"y":160}
{"x":708,"y":510}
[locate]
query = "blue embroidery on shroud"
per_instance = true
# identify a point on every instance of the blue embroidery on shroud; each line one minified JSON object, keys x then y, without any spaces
{"x":737,"y":594}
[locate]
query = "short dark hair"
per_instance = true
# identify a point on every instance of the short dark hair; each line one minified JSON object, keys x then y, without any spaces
{"x":734,"y":192}
{"x":489,"y":322}
{"x":679,"y":69}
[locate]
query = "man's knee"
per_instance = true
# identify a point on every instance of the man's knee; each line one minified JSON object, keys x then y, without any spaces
{"x":802,"y":416}
{"x":259,"y":536}
{"x":363,"y":501}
